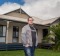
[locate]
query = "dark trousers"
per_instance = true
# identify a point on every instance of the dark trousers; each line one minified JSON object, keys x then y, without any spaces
{"x":29,"y":51}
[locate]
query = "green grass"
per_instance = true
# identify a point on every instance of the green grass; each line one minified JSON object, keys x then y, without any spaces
{"x":38,"y":52}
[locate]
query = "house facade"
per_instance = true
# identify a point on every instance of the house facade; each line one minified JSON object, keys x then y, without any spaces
{"x":11,"y":24}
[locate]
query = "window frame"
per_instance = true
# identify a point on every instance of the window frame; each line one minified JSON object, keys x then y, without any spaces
{"x":5,"y":33}
{"x":15,"y":35}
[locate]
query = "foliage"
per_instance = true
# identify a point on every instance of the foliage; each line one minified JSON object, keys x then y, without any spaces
{"x":54,"y":36}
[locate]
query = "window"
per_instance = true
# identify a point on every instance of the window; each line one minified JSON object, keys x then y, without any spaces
{"x":2,"y":33}
{"x":15,"y":34}
{"x":45,"y":32}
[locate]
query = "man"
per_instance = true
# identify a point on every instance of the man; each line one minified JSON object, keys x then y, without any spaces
{"x":29,"y":38}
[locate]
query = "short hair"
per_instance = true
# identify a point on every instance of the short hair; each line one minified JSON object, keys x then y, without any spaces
{"x":29,"y":18}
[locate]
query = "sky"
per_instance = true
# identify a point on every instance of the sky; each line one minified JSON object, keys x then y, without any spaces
{"x":12,"y":1}
{"x":43,"y":9}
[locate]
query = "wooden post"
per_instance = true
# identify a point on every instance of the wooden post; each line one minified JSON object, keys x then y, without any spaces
{"x":7,"y":32}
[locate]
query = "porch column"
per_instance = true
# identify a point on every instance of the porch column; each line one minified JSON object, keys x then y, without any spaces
{"x":40,"y":35}
{"x":20,"y":28}
{"x":7,"y":32}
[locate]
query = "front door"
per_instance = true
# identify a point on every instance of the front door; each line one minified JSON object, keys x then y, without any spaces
{"x":15,"y":34}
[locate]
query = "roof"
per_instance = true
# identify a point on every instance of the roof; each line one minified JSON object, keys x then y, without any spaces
{"x":45,"y":22}
{"x":49,"y":21}
{"x":11,"y":18}
{"x":18,"y":10}
{"x":36,"y":20}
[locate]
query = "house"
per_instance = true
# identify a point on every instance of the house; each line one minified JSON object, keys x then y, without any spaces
{"x":11,"y":24}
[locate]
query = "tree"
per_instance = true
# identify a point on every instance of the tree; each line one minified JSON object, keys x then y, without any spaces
{"x":54,"y":32}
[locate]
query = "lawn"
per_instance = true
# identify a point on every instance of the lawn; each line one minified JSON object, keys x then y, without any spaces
{"x":38,"y":52}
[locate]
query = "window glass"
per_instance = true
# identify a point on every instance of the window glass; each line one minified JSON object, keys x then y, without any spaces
{"x":2,"y":33}
{"x":15,"y":34}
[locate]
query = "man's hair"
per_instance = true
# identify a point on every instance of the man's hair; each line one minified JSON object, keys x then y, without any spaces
{"x":29,"y":18}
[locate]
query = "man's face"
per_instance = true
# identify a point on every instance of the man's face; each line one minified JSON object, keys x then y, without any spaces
{"x":30,"y":21}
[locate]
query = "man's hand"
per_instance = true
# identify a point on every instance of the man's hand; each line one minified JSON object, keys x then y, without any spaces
{"x":27,"y":45}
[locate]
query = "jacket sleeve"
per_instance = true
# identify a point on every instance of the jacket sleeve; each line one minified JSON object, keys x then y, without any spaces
{"x":23,"y":34}
{"x":36,"y":39}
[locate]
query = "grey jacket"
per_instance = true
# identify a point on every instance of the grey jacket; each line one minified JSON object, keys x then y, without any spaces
{"x":27,"y":37}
